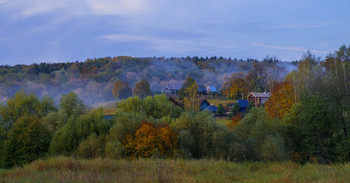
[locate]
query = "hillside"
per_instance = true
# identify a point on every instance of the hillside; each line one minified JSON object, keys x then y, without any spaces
{"x":93,"y":80}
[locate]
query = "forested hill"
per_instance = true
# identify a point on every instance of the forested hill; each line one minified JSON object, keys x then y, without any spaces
{"x":93,"y":80}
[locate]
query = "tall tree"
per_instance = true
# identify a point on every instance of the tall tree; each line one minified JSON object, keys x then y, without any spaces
{"x":121,"y":90}
{"x":183,"y":91}
{"x":191,"y":102}
{"x":236,"y":87}
{"x":71,"y":104}
{"x":142,"y":89}
{"x":281,"y":100}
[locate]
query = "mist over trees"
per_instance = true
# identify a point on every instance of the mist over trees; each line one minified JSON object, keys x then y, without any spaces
{"x":94,"y":80}
{"x":306,"y":120}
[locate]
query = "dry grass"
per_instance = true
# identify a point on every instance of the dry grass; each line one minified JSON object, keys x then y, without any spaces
{"x":110,"y":111}
{"x":62,"y":169}
{"x":217,"y":101}
{"x":224,"y":121}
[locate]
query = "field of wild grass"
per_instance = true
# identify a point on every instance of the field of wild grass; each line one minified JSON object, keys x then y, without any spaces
{"x":63,"y":169}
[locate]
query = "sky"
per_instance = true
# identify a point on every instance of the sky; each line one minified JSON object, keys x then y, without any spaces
{"x":35,"y":31}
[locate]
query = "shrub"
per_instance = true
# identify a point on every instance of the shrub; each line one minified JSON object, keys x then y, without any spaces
{"x":151,"y":141}
{"x":200,"y":136}
{"x":266,"y":135}
{"x":27,"y":141}
{"x":220,"y":111}
{"x":92,"y":147}
{"x":67,"y":139}
{"x":157,"y":107}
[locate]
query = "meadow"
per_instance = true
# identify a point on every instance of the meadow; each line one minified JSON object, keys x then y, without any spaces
{"x":66,"y":169}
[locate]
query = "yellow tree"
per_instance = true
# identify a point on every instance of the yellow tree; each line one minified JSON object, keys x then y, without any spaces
{"x":150,"y":140}
{"x":191,"y":102}
{"x":236,"y":87}
{"x":281,"y":101}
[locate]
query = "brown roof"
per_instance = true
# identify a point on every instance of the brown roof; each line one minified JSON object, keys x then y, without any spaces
{"x":176,"y":102}
{"x":261,"y":94}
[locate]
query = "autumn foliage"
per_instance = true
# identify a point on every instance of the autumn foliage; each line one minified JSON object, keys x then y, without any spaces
{"x":235,"y":120}
{"x":121,"y":90}
{"x":281,"y":100}
{"x":236,"y":87}
{"x":150,"y":141}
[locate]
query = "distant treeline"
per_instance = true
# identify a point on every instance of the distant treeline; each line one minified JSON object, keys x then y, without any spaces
{"x":93,"y":80}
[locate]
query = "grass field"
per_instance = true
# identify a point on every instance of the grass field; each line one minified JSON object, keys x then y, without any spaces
{"x":64,"y":169}
{"x":224,"y":121}
{"x":223,"y":101}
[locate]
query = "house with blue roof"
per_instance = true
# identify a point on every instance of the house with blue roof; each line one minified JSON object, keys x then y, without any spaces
{"x":243,"y":105}
{"x":211,"y":108}
{"x":211,"y":89}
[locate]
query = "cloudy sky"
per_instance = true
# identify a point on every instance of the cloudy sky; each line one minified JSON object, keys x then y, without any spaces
{"x":34,"y":31}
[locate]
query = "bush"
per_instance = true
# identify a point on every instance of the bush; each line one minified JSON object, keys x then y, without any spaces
{"x":220,"y":111}
{"x":151,"y":141}
{"x":268,"y":136}
{"x":23,"y":104}
{"x":67,"y":139}
{"x":92,"y":147}
{"x":123,"y":124}
{"x":200,"y":136}
{"x":27,"y":141}
{"x":157,"y":107}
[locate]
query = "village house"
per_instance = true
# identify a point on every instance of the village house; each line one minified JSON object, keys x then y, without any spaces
{"x":202,"y":90}
{"x":211,"y":89}
{"x":211,"y":108}
{"x":258,"y":98}
{"x":172,"y":90}
{"x":203,"y":103}
{"x":243,"y":105}
{"x":176,"y":102}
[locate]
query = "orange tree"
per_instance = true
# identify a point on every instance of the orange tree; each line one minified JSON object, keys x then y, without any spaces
{"x":281,"y":100}
{"x":235,"y":120}
{"x":150,"y":140}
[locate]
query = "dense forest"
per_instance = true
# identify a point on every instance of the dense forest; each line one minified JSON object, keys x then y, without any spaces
{"x":306,"y":119}
{"x":94,"y":79}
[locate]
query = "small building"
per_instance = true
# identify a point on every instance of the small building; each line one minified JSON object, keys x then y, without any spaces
{"x":171,"y":89}
{"x":203,"y":103}
{"x":211,"y":108}
{"x":243,"y":105}
{"x":202,"y":89}
{"x":177,"y":103}
{"x":211,"y":89}
{"x":258,"y":98}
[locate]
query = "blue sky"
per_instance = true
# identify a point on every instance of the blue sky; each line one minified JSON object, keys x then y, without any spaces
{"x":34,"y":31}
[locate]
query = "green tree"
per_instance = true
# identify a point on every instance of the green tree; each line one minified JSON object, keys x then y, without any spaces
{"x":183,"y":92}
{"x":314,"y":131}
{"x":267,"y":136}
{"x":142,"y":89}
{"x":27,"y":141}
{"x":71,"y":104}
{"x":234,"y":110}
{"x":67,"y":139}
{"x":157,"y":106}
{"x":121,"y":90}
{"x":220,"y":111}
{"x":23,"y":104}
{"x":92,"y":147}
{"x":200,"y":136}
